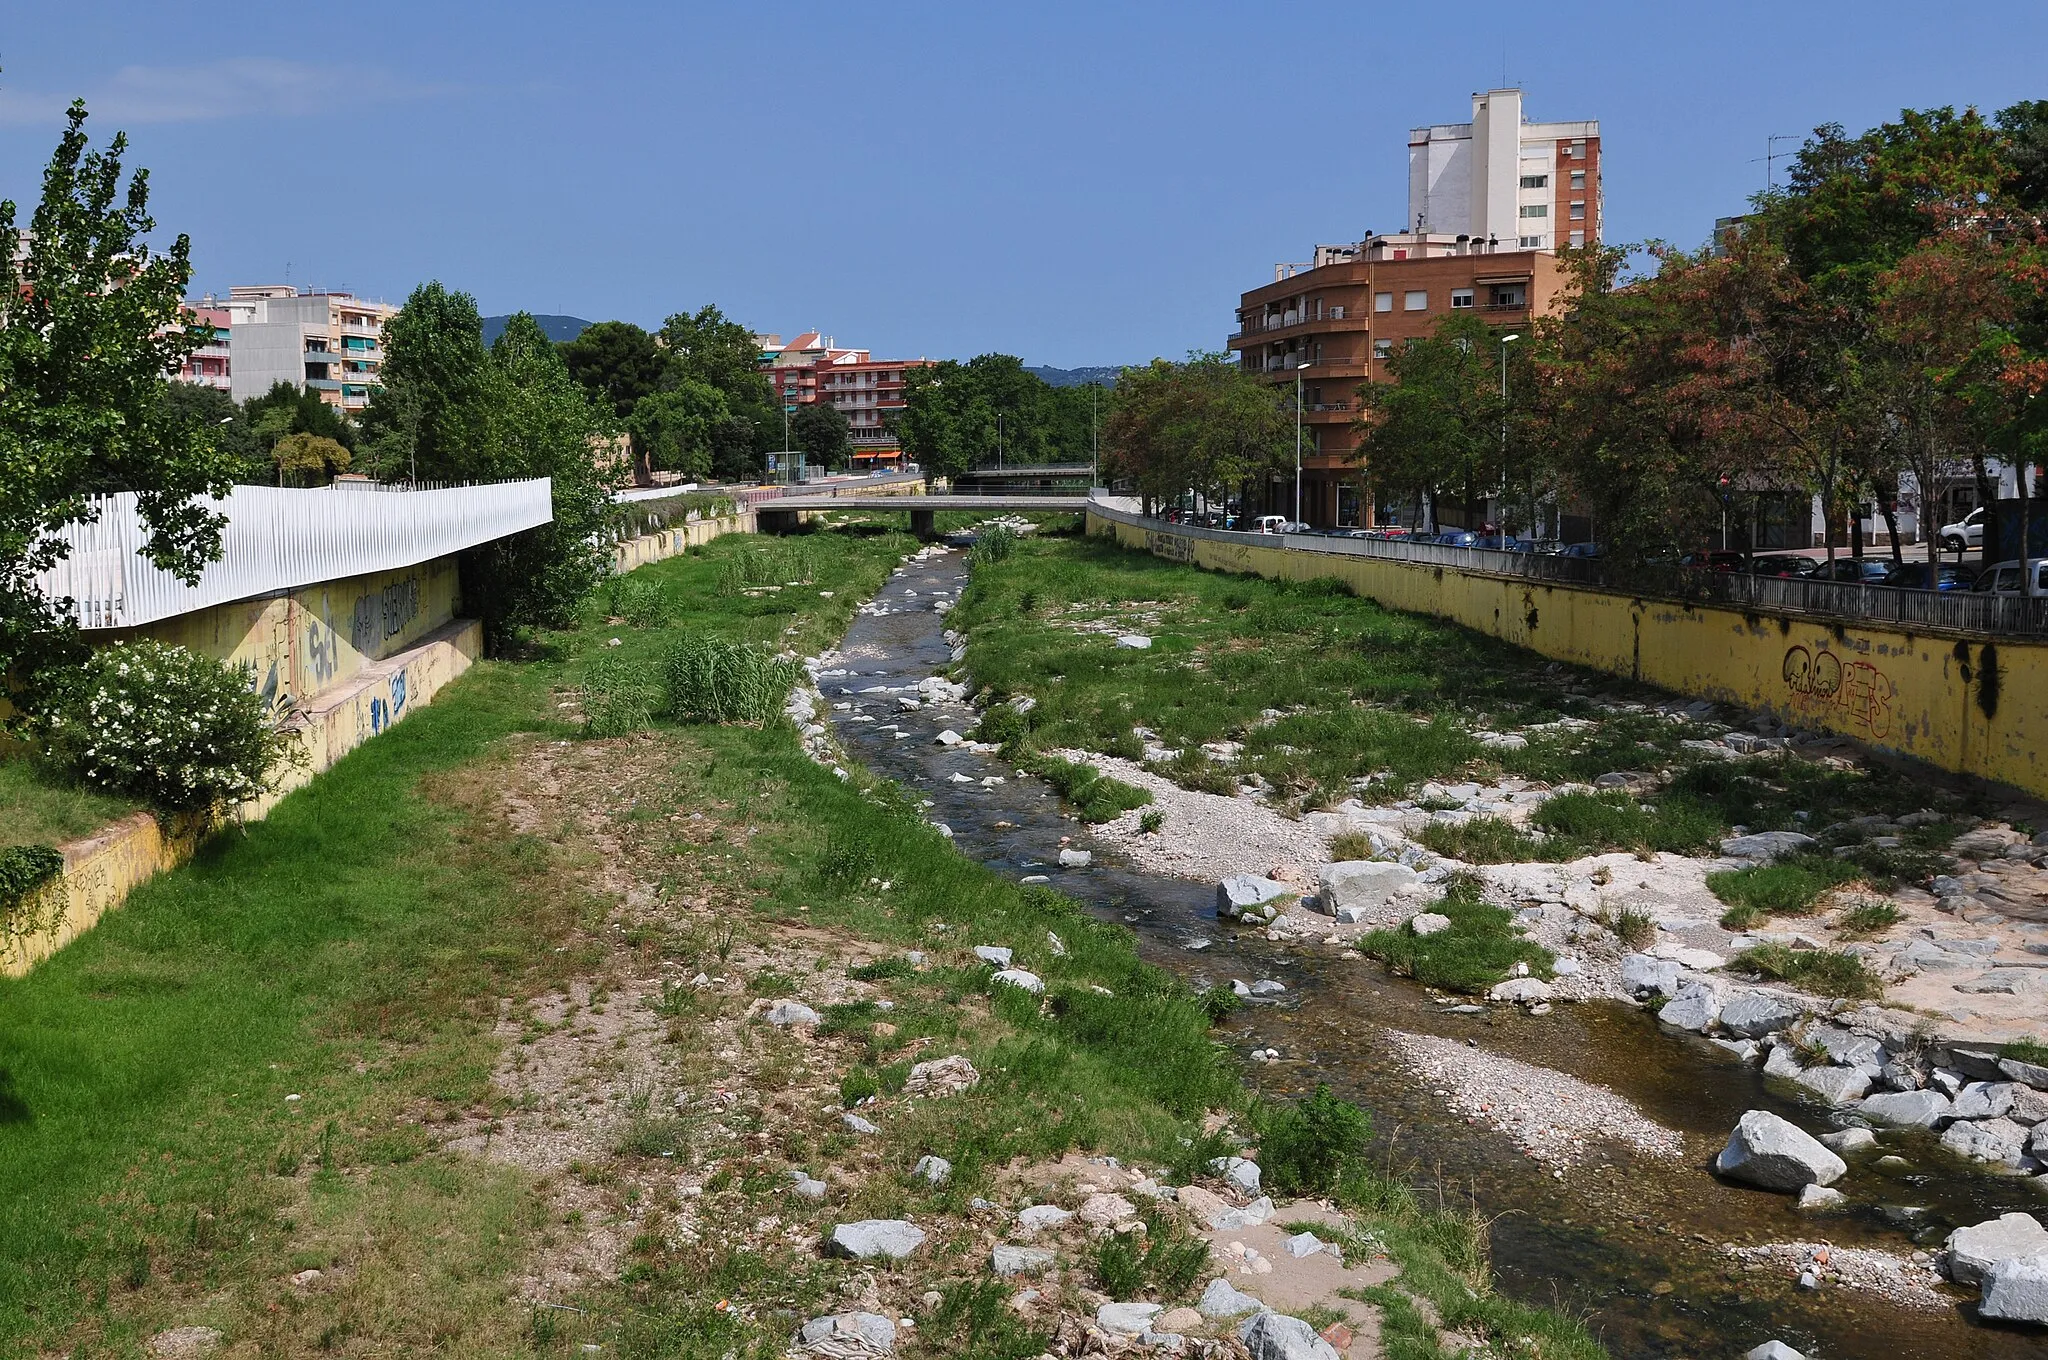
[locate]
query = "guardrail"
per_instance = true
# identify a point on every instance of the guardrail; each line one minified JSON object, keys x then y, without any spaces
{"x":278,"y":539}
{"x":1930,"y":610}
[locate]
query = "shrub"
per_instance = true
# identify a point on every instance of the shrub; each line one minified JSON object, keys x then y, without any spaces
{"x":644,"y":604}
{"x":1826,"y":972}
{"x":1151,"y":820}
{"x":24,"y":870}
{"x":618,"y":697}
{"x":992,"y":544}
{"x":1165,"y":1257}
{"x":1635,"y":928}
{"x":1306,"y":1148}
{"x":712,"y":679}
{"x":167,"y":726}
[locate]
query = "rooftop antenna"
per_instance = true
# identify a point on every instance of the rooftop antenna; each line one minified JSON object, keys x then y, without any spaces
{"x":1770,"y":158}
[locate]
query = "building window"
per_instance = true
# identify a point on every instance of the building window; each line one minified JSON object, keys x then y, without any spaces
{"x":1415,"y":300}
{"x":1535,"y":210}
{"x":1578,"y":151}
{"x":1382,"y":349}
{"x":1578,"y":179}
{"x":1535,"y":181}
{"x":1578,"y":238}
{"x":1460,"y":297}
{"x":1383,"y":302}
{"x":1530,"y":242}
{"x":1507,"y":295}
{"x":1578,"y":212}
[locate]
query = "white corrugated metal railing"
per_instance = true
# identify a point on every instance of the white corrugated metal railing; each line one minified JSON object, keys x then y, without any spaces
{"x":279,"y":539}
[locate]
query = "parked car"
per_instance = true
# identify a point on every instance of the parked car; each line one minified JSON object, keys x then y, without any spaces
{"x":2005,"y":578}
{"x":1932,"y":576}
{"x":1582,"y":550}
{"x":1270,"y":524}
{"x":1967,"y":532}
{"x":1500,"y":543}
{"x":1458,"y":538}
{"x":1718,"y":559}
{"x":1781,"y":564}
{"x":1869,"y":571}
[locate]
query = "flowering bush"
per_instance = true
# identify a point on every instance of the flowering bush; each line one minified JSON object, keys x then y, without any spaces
{"x":175,"y":729}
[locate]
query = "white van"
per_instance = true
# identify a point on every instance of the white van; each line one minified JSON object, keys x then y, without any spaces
{"x":1271,"y":524}
{"x":2005,"y":578}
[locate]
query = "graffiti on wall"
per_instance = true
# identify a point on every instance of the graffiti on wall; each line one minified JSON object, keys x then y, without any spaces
{"x":384,"y":614}
{"x":1857,"y":694}
{"x":1172,"y":547}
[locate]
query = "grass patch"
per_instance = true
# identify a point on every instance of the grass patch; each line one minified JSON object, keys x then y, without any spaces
{"x":1487,"y":840}
{"x":2027,"y":1050}
{"x":1824,"y":972}
{"x":1635,"y":928}
{"x":1165,"y":1260}
{"x":1589,"y":822}
{"x":1094,"y":795}
{"x":1787,"y":887}
{"x":1868,"y":919}
{"x":715,"y":679}
{"x":45,"y":808}
{"x":1480,"y":948}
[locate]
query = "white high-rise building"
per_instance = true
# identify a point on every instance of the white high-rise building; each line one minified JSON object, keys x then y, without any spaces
{"x":1531,"y":186}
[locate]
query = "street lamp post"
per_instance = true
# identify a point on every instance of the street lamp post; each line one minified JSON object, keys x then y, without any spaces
{"x":1297,"y":441}
{"x":1505,"y":341}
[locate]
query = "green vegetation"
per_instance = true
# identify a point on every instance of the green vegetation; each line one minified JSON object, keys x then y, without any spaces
{"x":992,"y":544}
{"x":618,"y":697}
{"x":1868,"y":918}
{"x":1308,"y":1148}
{"x":1093,"y":794}
{"x":1786,"y":887}
{"x":1826,"y":972}
{"x":2029,"y":1049}
{"x":1479,"y":949}
{"x":714,"y":679}
{"x":1635,"y":929}
{"x":46,"y":807}
{"x":1165,"y":1259}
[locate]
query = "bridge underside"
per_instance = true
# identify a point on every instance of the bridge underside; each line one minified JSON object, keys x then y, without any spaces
{"x":786,"y":516}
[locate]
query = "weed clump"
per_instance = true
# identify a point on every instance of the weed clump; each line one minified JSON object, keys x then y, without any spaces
{"x":618,"y":697}
{"x":1165,"y":1258}
{"x":1486,"y":840}
{"x":1479,"y":949}
{"x":711,"y":679}
{"x":1826,"y":972}
{"x":1308,"y":1147}
{"x":1788,"y":887}
{"x":641,"y":603}
{"x":1094,"y":794}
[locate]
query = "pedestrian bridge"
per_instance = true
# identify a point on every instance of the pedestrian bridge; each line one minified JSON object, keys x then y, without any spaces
{"x":785,"y":514}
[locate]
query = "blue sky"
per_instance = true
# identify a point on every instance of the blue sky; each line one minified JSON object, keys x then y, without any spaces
{"x":1077,"y":184}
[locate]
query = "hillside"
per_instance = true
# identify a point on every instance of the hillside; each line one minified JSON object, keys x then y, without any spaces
{"x":1077,"y":377}
{"x":558,"y":328}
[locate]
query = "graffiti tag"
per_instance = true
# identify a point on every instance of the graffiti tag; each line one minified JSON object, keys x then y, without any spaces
{"x":1859,"y":693}
{"x":1172,"y":547}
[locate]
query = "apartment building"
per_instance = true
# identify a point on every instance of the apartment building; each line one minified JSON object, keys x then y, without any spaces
{"x":326,"y":342}
{"x":811,"y":368}
{"x":1533,"y":186}
{"x":208,"y":366}
{"x":1332,"y":322}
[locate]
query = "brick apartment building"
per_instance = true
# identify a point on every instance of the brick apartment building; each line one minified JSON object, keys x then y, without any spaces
{"x":1335,"y":320}
{"x":208,"y":366}
{"x":1344,"y":314}
{"x":864,"y":389}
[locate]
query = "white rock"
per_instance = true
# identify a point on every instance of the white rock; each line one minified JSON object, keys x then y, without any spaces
{"x":1305,"y":1244}
{"x":1848,"y":1140}
{"x":1985,"y":1099}
{"x":1135,"y":641}
{"x":1021,"y":977}
{"x":936,"y":1170}
{"x":1815,"y":1197}
{"x":889,"y":1238}
{"x":1696,"y":1007}
{"x":1223,"y":1300}
{"x":1643,"y":974}
{"x":1835,"y":1085}
{"x":1275,"y":1336}
{"x":2016,"y":1289}
{"x":1240,"y":892}
{"x":1766,"y":845}
{"x":1521,"y":990}
{"x":997,"y":954}
{"x":1772,"y":1152}
{"x":857,"y":1124}
{"x":1241,"y":1172}
{"x":1042,"y":1216}
{"x":1126,"y":1319}
{"x":1971,"y":1251}
{"x":807,"y":1186}
{"x":1774,"y":1350}
{"x":1101,"y":1211}
{"x":1429,"y":923}
{"x":1008,"y":1261}
{"x":1253,"y":1214}
{"x":1989,"y":1140}
{"x":1362,"y":883}
{"x":949,"y":738}
{"x":848,"y":1335}
{"x":1753,"y":1014}
{"x":1908,"y":1109}
{"x":1076,"y":859}
{"x":791,"y":1013}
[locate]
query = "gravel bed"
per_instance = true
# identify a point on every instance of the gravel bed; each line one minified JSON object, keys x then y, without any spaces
{"x":1549,"y":1115}
{"x":1205,"y":835}
{"x":1904,"y":1280}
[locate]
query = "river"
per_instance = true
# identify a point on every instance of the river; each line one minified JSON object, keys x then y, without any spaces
{"x":1632,"y":1243}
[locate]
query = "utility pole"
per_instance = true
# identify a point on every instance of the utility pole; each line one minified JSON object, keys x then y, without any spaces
{"x":1297,"y":441}
{"x":1505,"y":341}
{"x":1095,"y":434}
{"x":999,"y":441}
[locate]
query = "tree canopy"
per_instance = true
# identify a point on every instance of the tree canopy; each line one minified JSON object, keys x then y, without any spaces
{"x":94,"y":321}
{"x":959,"y":416}
{"x":1205,"y":425}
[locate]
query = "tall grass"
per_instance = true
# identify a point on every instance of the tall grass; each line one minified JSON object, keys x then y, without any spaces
{"x":640,"y":602}
{"x":714,"y":679}
{"x":619,"y":696}
{"x":775,"y":562}
{"x":1478,"y":950}
{"x":991,"y":545}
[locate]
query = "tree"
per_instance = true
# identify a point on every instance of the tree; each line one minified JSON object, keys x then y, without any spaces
{"x":466,"y":413}
{"x":308,"y":459}
{"x":205,"y":409}
{"x":678,"y":427}
{"x":959,"y":416}
{"x":709,"y":348}
{"x":820,"y":430}
{"x":91,"y":321}
{"x":1205,"y":425}
{"x":618,"y":364}
{"x":1438,"y":425}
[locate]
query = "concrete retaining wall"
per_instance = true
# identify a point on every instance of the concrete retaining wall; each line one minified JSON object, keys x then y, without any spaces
{"x":677,"y":539}
{"x":1974,"y":705}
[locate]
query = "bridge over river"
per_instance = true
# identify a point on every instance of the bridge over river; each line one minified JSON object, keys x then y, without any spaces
{"x":783,"y":516}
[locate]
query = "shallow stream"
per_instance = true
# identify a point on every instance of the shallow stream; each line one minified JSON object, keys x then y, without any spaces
{"x":1633,"y":1243}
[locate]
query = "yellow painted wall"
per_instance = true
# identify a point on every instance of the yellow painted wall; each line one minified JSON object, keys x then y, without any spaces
{"x":676,"y":539}
{"x":319,"y":636}
{"x":101,"y":870}
{"x":1973,"y":705}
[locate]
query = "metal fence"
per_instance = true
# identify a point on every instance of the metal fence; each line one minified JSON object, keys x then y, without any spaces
{"x":279,"y":539}
{"x":1839,"y":601}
